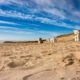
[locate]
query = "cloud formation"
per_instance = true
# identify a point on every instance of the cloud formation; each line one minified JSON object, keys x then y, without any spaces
{"x":6,"y":22}
{"x":50,"y":33}
{"x":14,"y":14}
{"x":57,"y":13}
{"x":15,"y":30}
{"x":59,"y":9}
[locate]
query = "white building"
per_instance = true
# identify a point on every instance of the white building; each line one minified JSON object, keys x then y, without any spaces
{"x":40,"y":40}
{"x":76,"y":35}
{"x":51,"y":40}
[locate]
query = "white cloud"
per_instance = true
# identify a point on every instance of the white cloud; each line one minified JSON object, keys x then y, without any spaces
{"x":6,"y":27}
{"x":6,"y":22}
{"x":43,"y":2}
{"x":50,"y":33}
{"x":4,"y":2}
{"x":15,"y":14}
{"x":10,"y":2}
{"x":56,"y":23}
{"x":54,"y":12}
{"x":14,"y":28}
{"x":64,"y":9}
{"x":61,"y":4}
{"x":16,"y":32}
{"x":45,"y":20}
{"x":53,"y":7}
{"x":67,"y":25}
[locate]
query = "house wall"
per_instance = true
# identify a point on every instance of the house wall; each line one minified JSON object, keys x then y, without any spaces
{"x":76,"y":35}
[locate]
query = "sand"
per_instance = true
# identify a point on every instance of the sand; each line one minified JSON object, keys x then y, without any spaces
{"x":47,"y":61}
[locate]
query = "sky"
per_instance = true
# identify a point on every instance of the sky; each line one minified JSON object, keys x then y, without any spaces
{"x":23,"y":20}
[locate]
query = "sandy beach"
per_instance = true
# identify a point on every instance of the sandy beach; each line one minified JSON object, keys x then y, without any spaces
{"x":47,"y":61}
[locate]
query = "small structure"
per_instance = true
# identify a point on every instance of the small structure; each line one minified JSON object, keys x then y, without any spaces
{"x":40,"y":40}
{"x":76,"y":35}
{"x":48,"y":40}
{"x":51,"y":40}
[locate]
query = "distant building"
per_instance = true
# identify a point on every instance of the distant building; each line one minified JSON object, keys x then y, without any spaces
{"x":40,"y":40}
{"x":76,"y":35}
{"x":48,"y":40}
{"x":51,"y":40}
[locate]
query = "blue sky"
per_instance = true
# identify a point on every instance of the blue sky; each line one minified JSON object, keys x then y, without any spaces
{"x":31,"y":19}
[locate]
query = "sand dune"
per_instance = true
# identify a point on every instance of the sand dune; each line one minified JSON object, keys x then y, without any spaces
{"x":24,"y":61}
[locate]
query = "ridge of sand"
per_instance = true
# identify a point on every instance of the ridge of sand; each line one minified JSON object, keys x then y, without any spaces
{"x":58,"y":61}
